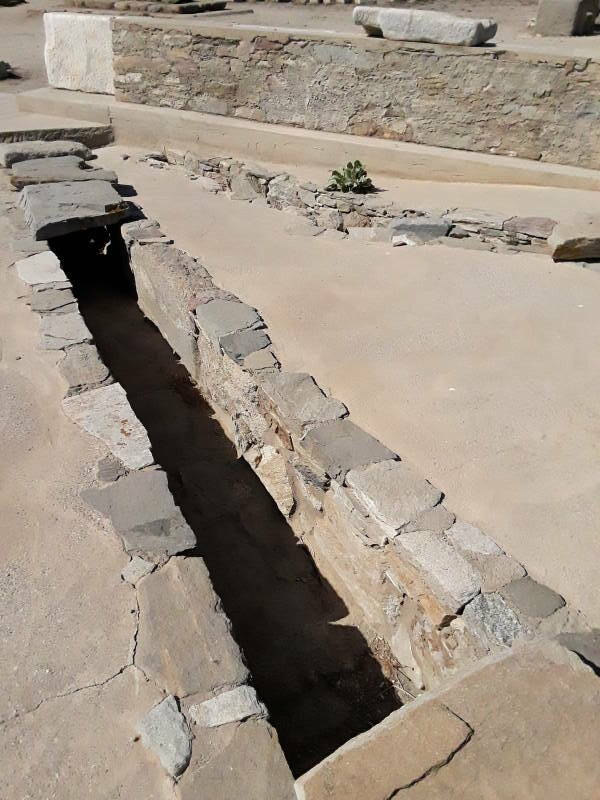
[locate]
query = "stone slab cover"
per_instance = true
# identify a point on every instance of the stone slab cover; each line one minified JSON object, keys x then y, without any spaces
{"x":78,"y":52}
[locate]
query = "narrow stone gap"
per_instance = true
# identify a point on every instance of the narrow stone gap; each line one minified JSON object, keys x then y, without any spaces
{"x":320,"y":681}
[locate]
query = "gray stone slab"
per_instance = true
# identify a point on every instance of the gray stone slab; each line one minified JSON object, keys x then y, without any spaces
{"x":53,"y":170}
{"x":165,"y":732}
{"x":235,"y":705}
{"x":531,"y":598}
{"x":492,"y":620}
{"x":41,"y":268}
{"x":220,"y":317}
{"x":137,"y":569}
{"x":298,"y":402}
{"x":494,"y":566}
{"x":424,"y":228}
{"x":418,"y":25}
{"x":392,"y":492}
{"x":110,"y":468}
{"x":240,"y":344}
{"x":58,"y":331}
{"x":576,"y":241}
{"x":540,"y":227}
{"x":475,"y":218}
{"x":59,"y":301}
{"x":470,"y":539}
{"x":23,"y":151}
{"x":143,"y":512}
{"x":83,"y":369}
{"x":106,"y":414}
{"x":340,"y":446}
{"x":261,"y":360}
{"x":55,"y":209}
{"x":586,"y":645}
{"x":437,"y":520}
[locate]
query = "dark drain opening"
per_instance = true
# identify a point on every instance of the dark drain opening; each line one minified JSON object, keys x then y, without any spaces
{"x":320,"y":681}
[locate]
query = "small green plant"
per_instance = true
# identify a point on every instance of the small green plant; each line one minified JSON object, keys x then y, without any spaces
{"x":351,"y":178}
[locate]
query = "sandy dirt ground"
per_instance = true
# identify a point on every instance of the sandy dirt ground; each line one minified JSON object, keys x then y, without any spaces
{"x":478,"y":368}
{"x":69,"y":702}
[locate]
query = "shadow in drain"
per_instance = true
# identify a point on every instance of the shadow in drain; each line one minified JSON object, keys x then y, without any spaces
{"x":319,"y":680}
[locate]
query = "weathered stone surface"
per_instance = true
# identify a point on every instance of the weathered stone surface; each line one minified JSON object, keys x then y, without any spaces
{"x":340,"y":446}
{"x":235,"y":705}
{"x":443,"y":569}
{"x":261,"y":359}
{"x":437,"y":520}
{"x":219,"y":318}
{"x":54,"y":209}
{"x":494,"y":566}
{"x":475,"y":218}
{"x":198,"y":655}
{"x":165,"y":732}
{"x":106,"y":414}
{"x":540,"y":227}
{"x":392,"y":492}
{"x":58,"y":331}
{"x":239,"y":345}
{"x":40,"y":268}
{"x":24,"y":151}
{"x":578,"y":241}
{"x":469,"y":538}
{"x":490,"y":618}
{"x":391,"y":756}
{"x":78,"y":52}
{"x":59,"y":168}
{"x":142,"y":510}
{"x":298,"y":402}
{"x":60,"y":301}
{"x":83,"y":369}
{"x":110,"y":468}
{"x":237,"y":761}
{"x":424,"y":228}
{"x":531,"y":598}
{"x":586,"y":645}
{"x":272,"y":471}
{"x":566,"y":17}
{"x":137,"y":569}
{"x":417,"y":25}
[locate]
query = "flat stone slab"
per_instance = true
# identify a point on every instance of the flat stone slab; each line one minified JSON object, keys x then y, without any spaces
{"x":55,"y":209}
{"x":165,"y":732}
{"x":106,"y":414}
{"x":143,"y":512}
{"x":424,"y":228}
{"x":340,"y":446}
{"x":392,"y":492}
{"x":495,"y":567}
{"x":219,"y":318}
{"x":24,"y":151}
{"x":54,"y":170}
{"x":416,"y":25}
{"x":578,"y":241}
{"x":83,"y":369}
{"x":299,"y":402}
{"x":137,"y":569}
{"x":40,"y":268}
{"x":58,"y":331}
{"x":241,"y":344}
{"x":59,"y":301}
{"x":234,"y":706}
{"x":78,"y":52}
{"x":531,"y":598}
{"x":539,"y":227}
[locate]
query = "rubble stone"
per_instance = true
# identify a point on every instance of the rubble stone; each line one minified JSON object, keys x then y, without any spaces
{"x":165,"y":732}
{"x":235,"y":705}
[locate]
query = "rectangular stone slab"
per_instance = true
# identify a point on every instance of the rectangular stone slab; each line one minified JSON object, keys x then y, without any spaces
{"x":417,"y":25}
{"x":55,"y":170}
{"x":55,"y":209}
{"x":14,"y":152}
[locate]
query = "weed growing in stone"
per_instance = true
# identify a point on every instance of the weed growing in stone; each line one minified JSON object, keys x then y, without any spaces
{"x":351,"y":178}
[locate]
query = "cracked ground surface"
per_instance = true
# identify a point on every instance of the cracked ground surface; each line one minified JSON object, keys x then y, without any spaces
{"x":69,"y":701}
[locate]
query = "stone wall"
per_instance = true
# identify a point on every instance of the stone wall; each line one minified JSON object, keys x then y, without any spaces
{"x":486,"y":100}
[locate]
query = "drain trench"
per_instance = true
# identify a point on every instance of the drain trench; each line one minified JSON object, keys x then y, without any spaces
{"x":320,"y":681}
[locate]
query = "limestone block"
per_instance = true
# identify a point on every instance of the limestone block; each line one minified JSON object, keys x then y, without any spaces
{"x":576,"y":241}
{"x":416,"y":25}
{"x":165,"y":731}
{"x":40,"y":268}
{"x":235,"y":705}
{"x":60,"y":168}
{"x":566,"y":17}
{"x":14,"y":152}
{"x":78,"y":52}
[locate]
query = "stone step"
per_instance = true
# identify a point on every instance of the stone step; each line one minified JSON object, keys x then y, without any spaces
{"x":141,"y":7}
{"x":522,"y":724}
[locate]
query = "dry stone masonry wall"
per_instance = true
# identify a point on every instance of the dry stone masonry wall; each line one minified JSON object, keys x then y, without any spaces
{"x":532,"y":106}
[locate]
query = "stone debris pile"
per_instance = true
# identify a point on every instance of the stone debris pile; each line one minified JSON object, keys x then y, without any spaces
{"x":418,"y":25}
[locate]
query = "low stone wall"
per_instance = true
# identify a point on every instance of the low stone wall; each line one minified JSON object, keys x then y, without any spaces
{"x":486,"y":100}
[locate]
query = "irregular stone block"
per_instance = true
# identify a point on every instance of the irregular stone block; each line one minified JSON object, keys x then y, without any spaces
{"x":110,"y":469}
{"x":437,"y":520}
{"x":531,"y":598}
{"x":443,"y":569}
{"x":539,"y":227}
{"x":475,"y":218}
{"x":142,"y":510}
{"x":392,"y":492}
{"x":137,"y":569}
{"x":106,"y":414}
{"x":416,"y":25}
{"x":578,"y":241}
{"x":272,"y":470}
{"x":239,"y":345}
{"x":198,"y":655}
{"x":340,"y":446}
{"x":566,"y":17}
{"x":83,"y":369}
{"x":298,"y":402}
{"x":78,"y":52}
{"x":388,"y":758}
{"x":235,"y":705}
{"x":54,"y":209}
{"x":60,"y":168}
{"x":165,"y":732}
{"x":494,"y":566}
{"x":59,"y":301}
{"x":219,"y":318}
{"x":14,"y":152}
{"x":40,"y":268}
{"x":261,"y":359}
{"x":424,"y":228}
{"x":492,"y":620}
{"x":58,"y":331}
